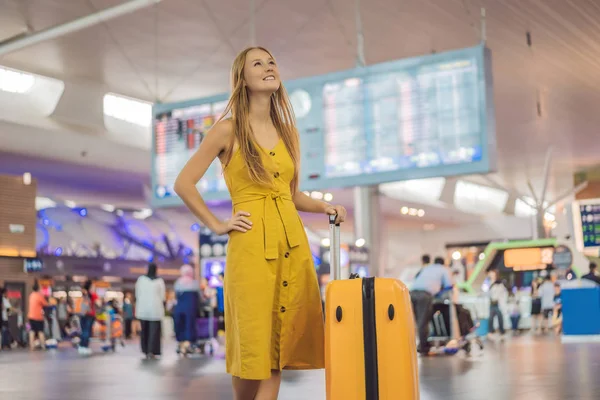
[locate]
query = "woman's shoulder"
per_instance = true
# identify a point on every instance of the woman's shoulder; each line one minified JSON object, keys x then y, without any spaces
{"x":223,"y":131}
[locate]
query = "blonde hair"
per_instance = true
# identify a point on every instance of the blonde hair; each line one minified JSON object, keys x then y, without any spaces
{"x":282,"y":116}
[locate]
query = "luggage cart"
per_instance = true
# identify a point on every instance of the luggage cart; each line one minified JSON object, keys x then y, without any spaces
{"x":109,"y":330}
{"x":451,"y":332}
{"x":207,"y":332}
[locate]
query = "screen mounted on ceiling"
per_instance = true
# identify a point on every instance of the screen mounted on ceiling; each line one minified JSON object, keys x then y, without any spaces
{"x":414,"y":118}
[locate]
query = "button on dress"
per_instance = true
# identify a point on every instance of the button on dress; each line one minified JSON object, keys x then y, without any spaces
{"x":273,"y":312}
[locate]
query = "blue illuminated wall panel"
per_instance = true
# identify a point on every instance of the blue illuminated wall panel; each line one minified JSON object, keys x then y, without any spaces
{"x":408,"y":119}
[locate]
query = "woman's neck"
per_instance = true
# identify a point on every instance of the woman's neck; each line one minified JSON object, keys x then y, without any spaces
{"x":260,"y":109}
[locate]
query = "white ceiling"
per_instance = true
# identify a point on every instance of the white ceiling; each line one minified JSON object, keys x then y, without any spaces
{"x":182,"y":49}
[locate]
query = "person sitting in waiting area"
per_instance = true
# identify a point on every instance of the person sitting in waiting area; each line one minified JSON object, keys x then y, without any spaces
{"x":432,"y":279}
{"x":591,"y":276}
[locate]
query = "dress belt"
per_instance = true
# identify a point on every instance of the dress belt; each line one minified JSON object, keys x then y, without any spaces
{"x":277,"y":206}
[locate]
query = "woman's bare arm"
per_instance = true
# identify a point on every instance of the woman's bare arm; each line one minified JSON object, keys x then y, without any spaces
{"x":306,"y":203}
{"x":217,"y":140}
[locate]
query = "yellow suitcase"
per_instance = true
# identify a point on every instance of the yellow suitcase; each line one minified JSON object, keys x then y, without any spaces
{"x":370,"y":338}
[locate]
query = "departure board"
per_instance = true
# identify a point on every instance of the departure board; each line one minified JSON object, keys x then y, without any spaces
{"x":587,"y":223}
{"x":178,"y":133}
{"x":414,"y":118}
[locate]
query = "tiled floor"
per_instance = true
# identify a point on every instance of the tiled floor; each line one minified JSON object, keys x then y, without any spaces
{"x":523,"y":368}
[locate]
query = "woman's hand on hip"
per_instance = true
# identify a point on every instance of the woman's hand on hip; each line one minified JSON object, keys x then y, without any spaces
{"x":338,"y":210}
{"x":239,"y":222}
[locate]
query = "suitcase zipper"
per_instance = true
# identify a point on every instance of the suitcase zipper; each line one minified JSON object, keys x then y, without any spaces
{"x":370,"y":339}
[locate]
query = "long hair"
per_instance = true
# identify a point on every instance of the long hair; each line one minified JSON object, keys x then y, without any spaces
{"x":282,"y":116}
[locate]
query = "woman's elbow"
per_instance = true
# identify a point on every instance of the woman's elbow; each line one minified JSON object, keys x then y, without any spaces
{"x":179,"y":186}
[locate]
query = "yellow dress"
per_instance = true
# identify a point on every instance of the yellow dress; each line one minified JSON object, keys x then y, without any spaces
{"x":273,"y":312}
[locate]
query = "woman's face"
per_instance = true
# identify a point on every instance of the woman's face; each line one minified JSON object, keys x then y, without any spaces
{"x":260,"y":72}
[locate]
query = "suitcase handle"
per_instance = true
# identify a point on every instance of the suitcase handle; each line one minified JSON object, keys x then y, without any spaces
{"x":334,"y":248}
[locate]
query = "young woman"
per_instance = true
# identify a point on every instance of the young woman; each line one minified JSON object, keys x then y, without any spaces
{"x":150,"y":298}
{"x":272,"y":303}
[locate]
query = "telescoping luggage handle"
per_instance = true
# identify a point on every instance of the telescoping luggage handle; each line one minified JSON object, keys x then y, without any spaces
{"x":334,"y":248}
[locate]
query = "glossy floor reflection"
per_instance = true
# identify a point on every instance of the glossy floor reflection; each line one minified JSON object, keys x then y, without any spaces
{"x":523,"y":368}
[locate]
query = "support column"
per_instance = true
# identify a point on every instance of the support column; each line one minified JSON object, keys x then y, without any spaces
{"x":367,"y":224}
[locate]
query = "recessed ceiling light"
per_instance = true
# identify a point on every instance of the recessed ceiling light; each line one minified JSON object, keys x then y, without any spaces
{"x":107,"y":207}
{"x":404,"y":210}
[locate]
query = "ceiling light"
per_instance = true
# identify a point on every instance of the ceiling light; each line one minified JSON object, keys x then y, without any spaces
{"x":14,"y":81}
{"x":328,"y":197}
{"x":127,"y":109}
{"x":360,"y":242}
{"x":456,"y":255}
{"x":404,"y":210}
{"x":120,"y":213}
{"x":413,"y":211}
{"x":421,"y":213}
{"x":107,"y":207}
{"x":70,"y":203}
{"x":325,"y":242}
{"x":306,"y":193}
{"x":317,"y":195}
{"x":43,"y":202}
{"x":27,"y":178}
{"x":142,"y":214}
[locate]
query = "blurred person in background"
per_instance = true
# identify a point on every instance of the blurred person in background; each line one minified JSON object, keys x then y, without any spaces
{"x":557,"y":310}
{"x":547,"y":293}
{"x":128,"y":314}
{"x":429,"y":282}
{"x":515,"y":312}
{"x":88,"y":317}
{"x":207,"y":299}
{"x":220,"y":314}
{"x":592,"y":275}
{"x":498,"y":296}
{"x":150,"y":295}
{"x":440,"y":261}
{"x":6,"y":338}
{"x":62,"y":313}
{"x":35,"y":315}
{"x":536,"y":306}
{"x":185,"y":312}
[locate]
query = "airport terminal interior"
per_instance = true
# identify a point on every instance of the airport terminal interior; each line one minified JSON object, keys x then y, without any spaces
{"x":454,"y":143}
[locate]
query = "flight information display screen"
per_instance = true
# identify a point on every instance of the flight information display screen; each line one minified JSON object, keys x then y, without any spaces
{"x":415,"y":118}
{"x":177,"y":135}
{"x":587,"y":223}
